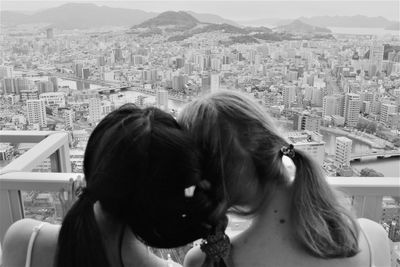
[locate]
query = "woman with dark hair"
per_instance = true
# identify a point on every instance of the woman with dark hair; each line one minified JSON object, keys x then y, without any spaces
{"x":298,"y":222}
{"x":137,"y":165}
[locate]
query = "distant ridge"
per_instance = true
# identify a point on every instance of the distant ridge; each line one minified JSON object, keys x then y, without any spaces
{"x":83,"y":16}
{"x":357,"y":21}
{"x":87,"y":15}
{"x":298,"y":26}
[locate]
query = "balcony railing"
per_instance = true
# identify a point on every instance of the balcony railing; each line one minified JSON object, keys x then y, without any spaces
{"x":366,"y":192}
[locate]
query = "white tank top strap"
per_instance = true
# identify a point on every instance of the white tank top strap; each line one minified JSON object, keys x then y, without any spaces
{"x":371,"y":253}
{"x":34,"y":234}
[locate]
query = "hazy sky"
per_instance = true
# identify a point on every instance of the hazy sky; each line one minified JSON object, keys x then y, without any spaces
{"x":238,"y":10}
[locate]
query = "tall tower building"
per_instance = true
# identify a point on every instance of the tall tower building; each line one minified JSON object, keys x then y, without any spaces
{"x":342,"y":151}
{"x":352,"y":107}
{"x":69,"y":118}
{"x":387,"y":109}
{"x":289,"y":95}
{"x":215,"y":82}
{"x":6,"y":72}
{"x":54,"y":81}
{"x":50,"y":33}
{"x":375,"y":58}
{"x":94,"y":110}
{"x":162,"y":99}
{"x":329,"y":106}
{"x":306,"y":122}
{"x":36,"y":111}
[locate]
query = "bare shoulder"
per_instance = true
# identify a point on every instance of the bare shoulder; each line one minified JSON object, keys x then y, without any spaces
{"x":194,"y":258}
{"x":17,"y":237}
{"x":379,"y":241}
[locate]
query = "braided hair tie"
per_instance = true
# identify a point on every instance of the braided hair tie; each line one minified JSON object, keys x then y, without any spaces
{"x":216,"y":246}
{"x":288,"y":151}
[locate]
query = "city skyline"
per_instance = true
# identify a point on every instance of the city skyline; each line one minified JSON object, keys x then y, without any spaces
{"x":238,"y":10}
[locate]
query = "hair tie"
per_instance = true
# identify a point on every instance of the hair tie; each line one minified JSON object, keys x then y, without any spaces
{"x":216,"y":246}
{"x":288,"y":151}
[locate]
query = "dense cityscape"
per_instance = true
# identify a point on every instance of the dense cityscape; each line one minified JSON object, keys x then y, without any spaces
{"x":336,"y":96}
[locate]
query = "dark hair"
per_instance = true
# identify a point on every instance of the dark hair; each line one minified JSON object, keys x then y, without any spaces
{"x":241,"y":147}
{"x":137,"y":164}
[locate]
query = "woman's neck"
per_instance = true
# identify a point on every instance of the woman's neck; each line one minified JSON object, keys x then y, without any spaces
{"x":275,"y":212}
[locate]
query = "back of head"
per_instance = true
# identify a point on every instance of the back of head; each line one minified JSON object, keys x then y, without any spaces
{"x":137,"y":164}
{"x":242,"y":154}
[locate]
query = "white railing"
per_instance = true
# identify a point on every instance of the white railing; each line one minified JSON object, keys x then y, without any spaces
{"x":367,"y":192}
{"x":18,"y":175}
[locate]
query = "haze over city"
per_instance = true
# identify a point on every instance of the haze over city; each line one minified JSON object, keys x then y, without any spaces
{"x":237,"y":10}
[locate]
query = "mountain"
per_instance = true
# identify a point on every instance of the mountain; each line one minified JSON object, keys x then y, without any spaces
{"x":86,"y":15}
{"x":82,"y":16}
{"x":211,"y":18}
{"x":170,"y":18}
{"x":357,"y":21}
{"x":297,"y":26}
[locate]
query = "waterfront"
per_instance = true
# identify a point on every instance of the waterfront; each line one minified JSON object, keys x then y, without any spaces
{"x":363,"y":31}
{"x":389,"y":167}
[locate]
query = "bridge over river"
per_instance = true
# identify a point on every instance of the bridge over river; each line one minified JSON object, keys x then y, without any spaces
{"x":378,"y":154}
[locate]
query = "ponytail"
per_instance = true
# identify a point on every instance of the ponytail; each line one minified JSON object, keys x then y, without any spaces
{"x":79,"y":240}
{"x":323,"y":226}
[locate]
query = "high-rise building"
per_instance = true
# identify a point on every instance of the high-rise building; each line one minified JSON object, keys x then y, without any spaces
{"x":78,"y":70}
{"x":214,"y":82}
{"x":352,"y":109}
{"x":205,"y":84}
{"x":292,"y":75}
{"x":375,"y":58}
{"x":386,"y":110}
{"x":53,"y":98}
{"x":36,"y":111}
{"x":329,"y":106}
{"x":6,"y":72}
{"x":50,"y":33}
{"x":85,"y":73}
{"x":8,"y":86}
{"x":317,"y":95}
{"x":101,"y":61}
{"x":178,"y":82}
{"x":45,"y":87}
{"x":29,"y":94}
{"x":54,"y":81}
{"x":342,"y":151}
{"x":118,"y":54}
{"x":306,"y":122}
{"x":22,"y":84}
{"x":289,"y":95}
{"x":162,"y":99}
{"x":69,"y":118}
{"x":94,"y":110}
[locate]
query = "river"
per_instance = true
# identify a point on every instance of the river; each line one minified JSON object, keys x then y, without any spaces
{"x":364,"y":31}
{"x":389,"y":167}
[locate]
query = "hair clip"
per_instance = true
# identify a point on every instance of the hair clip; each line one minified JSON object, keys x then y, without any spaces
{"x":189,"y":192}
{"x":288,"y":151}
{"x":78,"y":186}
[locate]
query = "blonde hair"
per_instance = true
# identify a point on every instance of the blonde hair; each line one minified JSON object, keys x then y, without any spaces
{"x":241,"y":147}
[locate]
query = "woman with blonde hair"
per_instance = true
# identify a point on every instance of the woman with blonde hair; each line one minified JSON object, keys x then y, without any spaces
{"x":296,"y":222}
